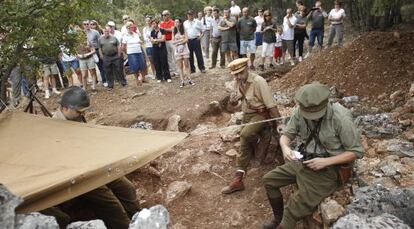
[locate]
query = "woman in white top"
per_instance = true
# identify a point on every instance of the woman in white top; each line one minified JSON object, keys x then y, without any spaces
{"x":336,"y":17}
{"x":148,"y":45}
{"x":131,"y":44}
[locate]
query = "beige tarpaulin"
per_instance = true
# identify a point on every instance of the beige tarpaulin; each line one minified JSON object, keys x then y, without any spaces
{"x":48,"y":161}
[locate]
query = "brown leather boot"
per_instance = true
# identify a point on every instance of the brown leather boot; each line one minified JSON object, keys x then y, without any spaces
{"x":277,"y":208}
{"x":235,"y":185}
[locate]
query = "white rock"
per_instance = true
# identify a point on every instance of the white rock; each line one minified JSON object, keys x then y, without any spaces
{"x":200,"y":168}
{"x":232,"y":153}
{"x":177,"y":190}
{"x":215,"y":148}
{"x":94,"y":224}
{"x":331,"y":211}
{"x":173,"y":123}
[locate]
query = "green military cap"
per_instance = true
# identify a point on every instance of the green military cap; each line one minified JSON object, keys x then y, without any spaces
{"x":313,"y":99}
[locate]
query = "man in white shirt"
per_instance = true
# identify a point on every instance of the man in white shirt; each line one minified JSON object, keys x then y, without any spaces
{"x":289,"y":22}
{"x":259,"y":22}
{"x":336,"y":17}
{"x":194,"y":29}
{"x":235,"y":10}
{"x":206,"y":20}
{"x":215,"y":38}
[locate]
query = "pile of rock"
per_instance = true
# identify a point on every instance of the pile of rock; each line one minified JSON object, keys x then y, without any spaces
{"x":379,"y":207}
{"x":156,"y":217}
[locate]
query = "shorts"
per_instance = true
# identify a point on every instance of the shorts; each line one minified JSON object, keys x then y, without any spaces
{"x":87,"y":64}
{"x":136,"y":62}
{"x":259,"y":38}
{"x":74,"y":64}
{"x":149,"y":51}
{"x":287,"y":45}
{"x":247,"y":47}
{"x":278,"y":52}
{"x":267,"y":50}
{"x":50,"y":69}
{"x":229,"y":46}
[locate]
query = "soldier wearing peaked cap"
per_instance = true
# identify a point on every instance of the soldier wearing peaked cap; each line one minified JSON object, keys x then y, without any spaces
{"x":257,"y":105}
{"x":330,"y":143}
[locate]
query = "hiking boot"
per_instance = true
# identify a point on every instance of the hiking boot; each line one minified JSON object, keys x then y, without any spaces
{"x":235,"y":185}
{"x":277,"y":208}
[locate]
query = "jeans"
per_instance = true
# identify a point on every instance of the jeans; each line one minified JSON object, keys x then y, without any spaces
{"x":195,"y":48}
{"x":100,"y":66}
{"x":316,"y":33}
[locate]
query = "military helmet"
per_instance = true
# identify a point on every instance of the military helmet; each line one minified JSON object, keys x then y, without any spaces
{"x":313,"y":100}
{"x":75,"y":98}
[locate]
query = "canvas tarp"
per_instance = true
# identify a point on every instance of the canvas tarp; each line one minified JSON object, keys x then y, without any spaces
{"x":47,"y":161}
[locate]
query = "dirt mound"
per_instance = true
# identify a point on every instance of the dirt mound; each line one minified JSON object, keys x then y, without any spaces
{"x":374,"y":64}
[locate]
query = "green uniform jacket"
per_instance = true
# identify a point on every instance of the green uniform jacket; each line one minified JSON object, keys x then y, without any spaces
{"x":338,"y":132}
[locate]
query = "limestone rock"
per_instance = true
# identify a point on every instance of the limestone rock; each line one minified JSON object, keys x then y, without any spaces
{"x":331,"y":211}
{"x":232,"y":153}
{"x":372,"y":201}
{"x":200,"y":168}
{"x":94,"y":224}
{"x":173,"y":123}
{"x":177,"y":190}
{"x":157,"y":217}
{"x":8,"y":202}
{"x":38,"y":221}
{"x":203,"y":129}
{"x":215,"y":148}
{"x":383,"y":221}
{"x":230,"y":134}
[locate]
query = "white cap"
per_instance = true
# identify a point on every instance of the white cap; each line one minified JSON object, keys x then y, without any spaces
{"x":111,"y":23}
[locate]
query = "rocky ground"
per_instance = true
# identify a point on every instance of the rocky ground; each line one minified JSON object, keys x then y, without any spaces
{"x":377,"y":69}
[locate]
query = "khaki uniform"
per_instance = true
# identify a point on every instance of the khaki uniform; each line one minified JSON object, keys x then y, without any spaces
{"x":337,"y":135}
{"x":256,"y":97}
{"x":114,"y":203}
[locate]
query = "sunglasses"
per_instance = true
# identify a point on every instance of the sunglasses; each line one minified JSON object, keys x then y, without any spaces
{"x":93,"y":24}
{"x":126,"y":19}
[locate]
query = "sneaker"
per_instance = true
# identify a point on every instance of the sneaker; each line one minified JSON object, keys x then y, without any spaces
{"x":191,"y":83}
{"x":307,"y":55}
{"x":282,"y":62}
{"x":182,"y":84}
{"x":55,"y":91}
{"x":105,"y":84}
{"x":47,"y":94}
{"x":203,"y":71}
{"x":292,"y":63}
{"x":300,"y":59}
{"x":271,"y":66}
{"x":169,"y":81}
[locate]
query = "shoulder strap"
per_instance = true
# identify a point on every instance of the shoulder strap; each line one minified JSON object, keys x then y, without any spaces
{"x":314,"y":134}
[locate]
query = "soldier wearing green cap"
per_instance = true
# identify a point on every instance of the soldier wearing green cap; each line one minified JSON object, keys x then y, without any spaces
{"x":330,"y":140}
{"x":258,"y":104}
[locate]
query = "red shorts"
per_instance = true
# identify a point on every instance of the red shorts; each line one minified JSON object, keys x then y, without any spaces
{"x":278,"y":52}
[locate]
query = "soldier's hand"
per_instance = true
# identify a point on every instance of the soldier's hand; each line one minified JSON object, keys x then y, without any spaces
{"x":317,"y":163}
{"x":288,"y":154}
